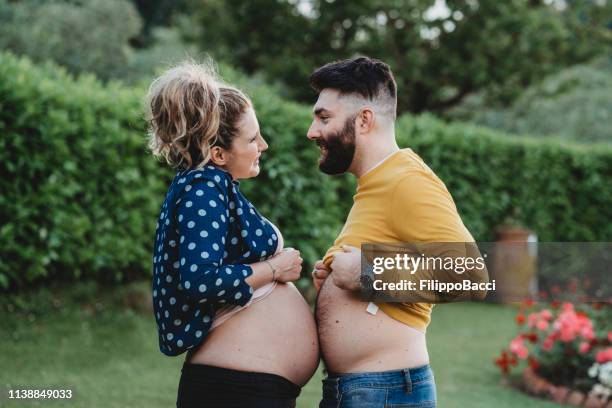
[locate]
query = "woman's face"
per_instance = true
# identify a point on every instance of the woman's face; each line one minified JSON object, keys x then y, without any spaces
{"x":247,"y":146}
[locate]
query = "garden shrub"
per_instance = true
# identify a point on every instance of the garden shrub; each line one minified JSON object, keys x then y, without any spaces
{"x":81,"y":193}
{"x":572,"y":104}
{"x":561,"y":191}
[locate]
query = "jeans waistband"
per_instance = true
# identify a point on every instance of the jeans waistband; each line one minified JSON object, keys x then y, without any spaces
{"x":403,"y":377}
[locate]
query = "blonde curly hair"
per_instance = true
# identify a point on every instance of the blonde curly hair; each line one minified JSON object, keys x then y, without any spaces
{"x":189,"y":111}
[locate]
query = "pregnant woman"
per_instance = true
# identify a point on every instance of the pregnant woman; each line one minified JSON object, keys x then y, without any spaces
{"x":222,"y":288}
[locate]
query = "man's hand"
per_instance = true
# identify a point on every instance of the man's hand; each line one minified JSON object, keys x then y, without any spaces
{"x":346,"y":268}
{"x":319,"y":274}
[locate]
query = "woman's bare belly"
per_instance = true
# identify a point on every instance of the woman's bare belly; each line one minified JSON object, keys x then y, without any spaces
{"x":353,"y":340}
{"x":276,"y":335}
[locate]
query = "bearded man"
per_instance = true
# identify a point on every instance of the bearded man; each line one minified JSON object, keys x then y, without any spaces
{"x":375,"y":354}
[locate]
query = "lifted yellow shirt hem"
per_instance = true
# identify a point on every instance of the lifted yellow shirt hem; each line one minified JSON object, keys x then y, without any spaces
{"x":401,"y":200}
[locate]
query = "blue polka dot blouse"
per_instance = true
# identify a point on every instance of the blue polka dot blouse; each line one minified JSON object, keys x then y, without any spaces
{"x":207,"y":235}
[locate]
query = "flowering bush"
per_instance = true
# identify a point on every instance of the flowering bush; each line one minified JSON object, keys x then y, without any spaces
{"x":568,"y":345}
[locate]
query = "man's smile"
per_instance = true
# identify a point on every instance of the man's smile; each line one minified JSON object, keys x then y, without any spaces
{"x":322,"y":145}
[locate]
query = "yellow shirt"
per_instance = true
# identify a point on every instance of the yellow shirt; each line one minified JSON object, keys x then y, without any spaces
{"x":401,"y":200}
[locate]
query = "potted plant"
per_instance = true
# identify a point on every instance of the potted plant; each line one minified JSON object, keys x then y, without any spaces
{"x":565,"y":352}
{"x":514,"y":260}
{"x":513,"y":229}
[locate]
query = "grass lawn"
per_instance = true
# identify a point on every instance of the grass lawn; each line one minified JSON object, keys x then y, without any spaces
{"x":109,"y":357}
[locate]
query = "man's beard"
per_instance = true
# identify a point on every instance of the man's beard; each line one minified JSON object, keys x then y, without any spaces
{"x":340,"y":149}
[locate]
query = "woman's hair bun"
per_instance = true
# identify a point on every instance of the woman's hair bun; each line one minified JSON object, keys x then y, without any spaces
{"x":184,"y":113}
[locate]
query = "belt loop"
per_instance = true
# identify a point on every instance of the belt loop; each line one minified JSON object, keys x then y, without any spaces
{"x":407,"y":380}
{"x":337,"y":396}
{"x":337,"y":385}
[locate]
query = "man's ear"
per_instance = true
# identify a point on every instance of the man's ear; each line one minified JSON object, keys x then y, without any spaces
{"x":365,"y":120}
{"x":218,"y":155}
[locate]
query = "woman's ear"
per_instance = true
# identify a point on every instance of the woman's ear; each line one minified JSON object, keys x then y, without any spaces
{"x":218,"y":155}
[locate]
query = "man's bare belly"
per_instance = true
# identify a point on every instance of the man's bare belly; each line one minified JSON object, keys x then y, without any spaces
{"x":353,"y":340}
{"x":276,"y":335}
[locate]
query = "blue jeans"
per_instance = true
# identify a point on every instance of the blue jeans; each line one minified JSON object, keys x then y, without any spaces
{"x":407,"y":388}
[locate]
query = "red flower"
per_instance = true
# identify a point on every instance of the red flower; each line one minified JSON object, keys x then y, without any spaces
{"x":503,"y":362}
{"x":546,"y":314}
{"x":571,"y":324}
{"x":584,"y":347}
{"x":532,"y":319}
{"x":528,"y":303}
{"x":542,"y":325}
{"x":533,"y":363}
{"x":548,"y":344}
{"x":518,"y":347}
{"x":604,"y":356}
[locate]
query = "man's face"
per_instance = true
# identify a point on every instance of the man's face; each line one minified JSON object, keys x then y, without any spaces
{"x":333,"y":129}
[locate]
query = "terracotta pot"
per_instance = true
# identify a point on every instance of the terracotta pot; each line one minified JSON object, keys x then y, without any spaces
{"x":534,"y":383}
{"x":537,"y":385}
{"x":559,"y":394}
{"x":542,"y":386}
{"x":594,"y":402}
{"x":514,"y":264}
{"x":512,"y":234}
{"x":575,"y":398}
{"x":529,"y":380}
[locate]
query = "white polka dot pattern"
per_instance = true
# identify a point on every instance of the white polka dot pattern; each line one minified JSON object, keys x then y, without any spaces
{"x":204,"y":244}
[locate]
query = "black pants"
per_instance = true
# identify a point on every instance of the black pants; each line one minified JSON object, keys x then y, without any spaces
{"x":204,"y":386}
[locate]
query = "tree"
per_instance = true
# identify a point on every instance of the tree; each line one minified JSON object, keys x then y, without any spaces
{"x":440,"y":51}
{"x":91,"y":35}
{"x":155,"y":13}
{"x":573,"y":104}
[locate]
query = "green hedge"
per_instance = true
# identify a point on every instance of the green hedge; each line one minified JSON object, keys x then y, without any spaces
{"x":81,"y":194}
{"x":563,"y":192}
{"x":76,"y":186}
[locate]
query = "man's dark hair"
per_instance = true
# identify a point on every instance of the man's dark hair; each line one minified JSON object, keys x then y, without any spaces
{"x":365,"y":76}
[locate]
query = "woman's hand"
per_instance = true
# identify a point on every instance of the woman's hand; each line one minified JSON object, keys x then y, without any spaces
{"x":288,"y":265}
